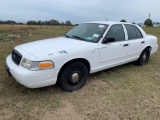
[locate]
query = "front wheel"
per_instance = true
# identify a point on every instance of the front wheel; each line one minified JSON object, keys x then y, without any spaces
{"x":144,"y":57}
{"x":73,"y":77}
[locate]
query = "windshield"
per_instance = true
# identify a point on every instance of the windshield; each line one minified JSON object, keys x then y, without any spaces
{"x":90,"y":32}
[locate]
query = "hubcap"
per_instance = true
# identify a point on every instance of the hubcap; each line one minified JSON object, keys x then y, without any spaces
{"x":75,"y":77}
{"x":144,"y":57}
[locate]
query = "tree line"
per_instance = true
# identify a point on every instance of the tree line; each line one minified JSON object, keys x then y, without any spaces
{"x":9,"y":22}
{"x":39,"y":22}
{"x":148,"y":22}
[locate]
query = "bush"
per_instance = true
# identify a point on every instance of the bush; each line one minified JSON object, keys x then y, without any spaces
{"x":148,"y":23}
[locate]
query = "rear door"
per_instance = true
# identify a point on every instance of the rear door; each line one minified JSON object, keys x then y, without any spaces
{"x":136,"y":42}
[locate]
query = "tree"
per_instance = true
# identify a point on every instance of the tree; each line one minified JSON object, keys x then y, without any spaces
{"x":32,"y":22}
{"x":148,"y":23}
{"x":123,"y":20}
{"x":10,"y":22}
{"x":157,"y":23}
{"x":68,"y":23}
{"x":133,"y":23}
{"x":39,"y":22}
{"x":53,"y":22}
{"x":1,"y":22}
{"x":20,"y":23}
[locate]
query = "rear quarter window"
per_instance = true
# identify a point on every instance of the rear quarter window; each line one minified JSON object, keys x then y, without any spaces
{"x":139,"y":34}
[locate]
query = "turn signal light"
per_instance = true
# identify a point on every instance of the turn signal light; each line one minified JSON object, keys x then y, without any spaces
{"x":46,"y":65}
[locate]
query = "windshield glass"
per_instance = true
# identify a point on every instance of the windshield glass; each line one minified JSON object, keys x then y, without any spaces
{"x":90,"y":32}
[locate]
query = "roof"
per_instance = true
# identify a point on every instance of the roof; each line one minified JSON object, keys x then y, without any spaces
{"x":108,"y":22}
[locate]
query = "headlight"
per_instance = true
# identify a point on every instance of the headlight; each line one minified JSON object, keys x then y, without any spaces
{"x":36,"y":65}
{"x":26,"y":63}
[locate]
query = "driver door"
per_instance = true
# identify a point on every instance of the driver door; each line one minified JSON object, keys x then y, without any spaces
{"x":113,"y":53}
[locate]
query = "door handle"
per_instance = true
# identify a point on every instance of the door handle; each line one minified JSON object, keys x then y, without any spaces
{"x":142,"y":42}
{"x":125,"y":45}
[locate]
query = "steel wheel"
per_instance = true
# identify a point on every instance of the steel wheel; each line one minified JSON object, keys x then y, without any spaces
{"x":144,"y":57}
{"x":73,"y":77}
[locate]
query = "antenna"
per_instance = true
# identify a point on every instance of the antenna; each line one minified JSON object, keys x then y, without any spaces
{"x":149,"y":15}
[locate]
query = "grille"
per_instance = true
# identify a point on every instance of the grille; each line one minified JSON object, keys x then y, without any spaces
{"x":16,"y":57}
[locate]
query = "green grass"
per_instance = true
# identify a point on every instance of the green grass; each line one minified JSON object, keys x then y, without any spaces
{"x":124,"y":92}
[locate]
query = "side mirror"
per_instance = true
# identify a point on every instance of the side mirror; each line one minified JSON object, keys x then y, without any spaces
{"x":108,"y":39}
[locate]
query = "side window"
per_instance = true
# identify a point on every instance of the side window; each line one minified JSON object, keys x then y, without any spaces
{"x":131,"y":32}
{"x":117,"y":32}
{"x":139,"y":34}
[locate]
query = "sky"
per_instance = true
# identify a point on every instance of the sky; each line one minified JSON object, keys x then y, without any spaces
{"x":79,"y":11}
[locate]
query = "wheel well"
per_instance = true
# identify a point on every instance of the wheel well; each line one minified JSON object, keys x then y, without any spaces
{"x":148,"y":47}
{"x":82,"y":60}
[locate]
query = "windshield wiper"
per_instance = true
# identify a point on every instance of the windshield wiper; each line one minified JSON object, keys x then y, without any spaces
{"x":67,"y":36}
{"x":78,"y":37}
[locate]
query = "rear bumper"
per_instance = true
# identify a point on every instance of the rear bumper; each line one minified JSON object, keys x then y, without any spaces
{"x":31,"y":79}
{"x":154,"y":49}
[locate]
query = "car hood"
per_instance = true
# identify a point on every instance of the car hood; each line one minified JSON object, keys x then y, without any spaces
{"x":53,"y":45}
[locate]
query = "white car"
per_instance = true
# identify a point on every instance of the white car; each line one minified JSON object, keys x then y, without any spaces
{"x":86,"y":49}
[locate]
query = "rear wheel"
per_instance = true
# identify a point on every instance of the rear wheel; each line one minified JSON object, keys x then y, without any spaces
{"x":144,"y":57}
{"x":73,"y":77}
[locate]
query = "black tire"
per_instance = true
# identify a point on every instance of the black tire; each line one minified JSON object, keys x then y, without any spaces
{"x":73,"y":77}
{"x":144,"y":57}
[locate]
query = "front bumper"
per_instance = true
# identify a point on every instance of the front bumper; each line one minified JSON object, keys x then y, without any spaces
{"x":31,"y":79}
{"x":8,"y":71}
